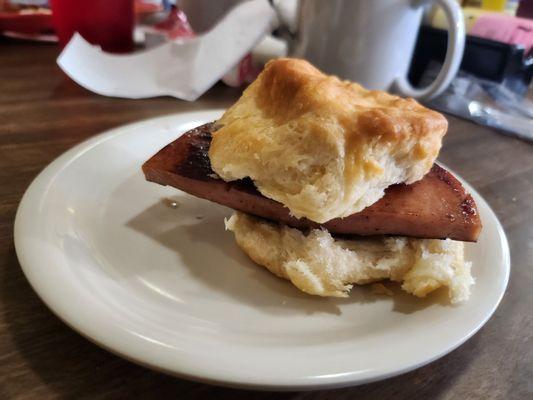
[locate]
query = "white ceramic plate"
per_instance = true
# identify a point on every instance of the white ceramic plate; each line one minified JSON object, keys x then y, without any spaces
{"x":169,"y":289}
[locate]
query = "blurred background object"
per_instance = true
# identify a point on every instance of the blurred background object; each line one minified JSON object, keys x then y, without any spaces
{"x":525,"y":9}
{"x":108,"y":24}
{"x":494,"y":5}
{"x":346,"y":38}
{"x":335,"y":36}
{"x":26,"y":19}
{"x":204,"y":14}
{"x":349,"y":38}
{"x":493,"y":86}
{"x":184,"y":67}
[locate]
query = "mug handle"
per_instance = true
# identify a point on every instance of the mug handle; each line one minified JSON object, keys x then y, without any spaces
{"x":454,"y":55}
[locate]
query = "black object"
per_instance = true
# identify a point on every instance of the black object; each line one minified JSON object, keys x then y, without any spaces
{"x":487,"y":59}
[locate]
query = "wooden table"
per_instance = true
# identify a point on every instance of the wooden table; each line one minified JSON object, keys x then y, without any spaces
{"x":42,"y":114}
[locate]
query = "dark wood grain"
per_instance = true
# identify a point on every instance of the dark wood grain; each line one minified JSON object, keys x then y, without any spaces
{"x":42,"y":114}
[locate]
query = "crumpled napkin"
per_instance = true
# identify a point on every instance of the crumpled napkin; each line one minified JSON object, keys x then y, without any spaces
{"x":184,"y":68}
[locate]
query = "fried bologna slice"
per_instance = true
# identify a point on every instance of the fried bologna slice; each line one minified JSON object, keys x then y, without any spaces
{"x":435,"y":207}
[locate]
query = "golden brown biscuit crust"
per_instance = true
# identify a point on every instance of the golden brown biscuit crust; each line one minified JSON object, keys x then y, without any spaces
{"x":290,"y":88}
{"x":323,"y":147}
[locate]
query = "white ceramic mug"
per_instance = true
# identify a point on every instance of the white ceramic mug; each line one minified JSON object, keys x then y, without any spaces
{"x":372,"y":41}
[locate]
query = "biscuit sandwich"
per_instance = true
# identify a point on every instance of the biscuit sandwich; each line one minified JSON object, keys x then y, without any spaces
{"x":332,"y":184}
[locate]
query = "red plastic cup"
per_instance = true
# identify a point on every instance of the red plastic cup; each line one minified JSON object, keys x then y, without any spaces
{"x":107,"y":23}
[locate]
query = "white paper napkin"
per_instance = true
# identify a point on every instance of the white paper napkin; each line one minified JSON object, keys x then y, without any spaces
{"x":184,"y":69}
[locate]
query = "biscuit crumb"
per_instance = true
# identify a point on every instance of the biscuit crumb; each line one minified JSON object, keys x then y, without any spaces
{"x":380,"y":289}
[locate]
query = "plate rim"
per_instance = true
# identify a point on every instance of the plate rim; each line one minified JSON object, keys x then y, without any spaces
{"x":304,"y":383}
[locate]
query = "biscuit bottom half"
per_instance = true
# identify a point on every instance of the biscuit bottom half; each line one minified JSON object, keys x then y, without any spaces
{"x":319,"y":264}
